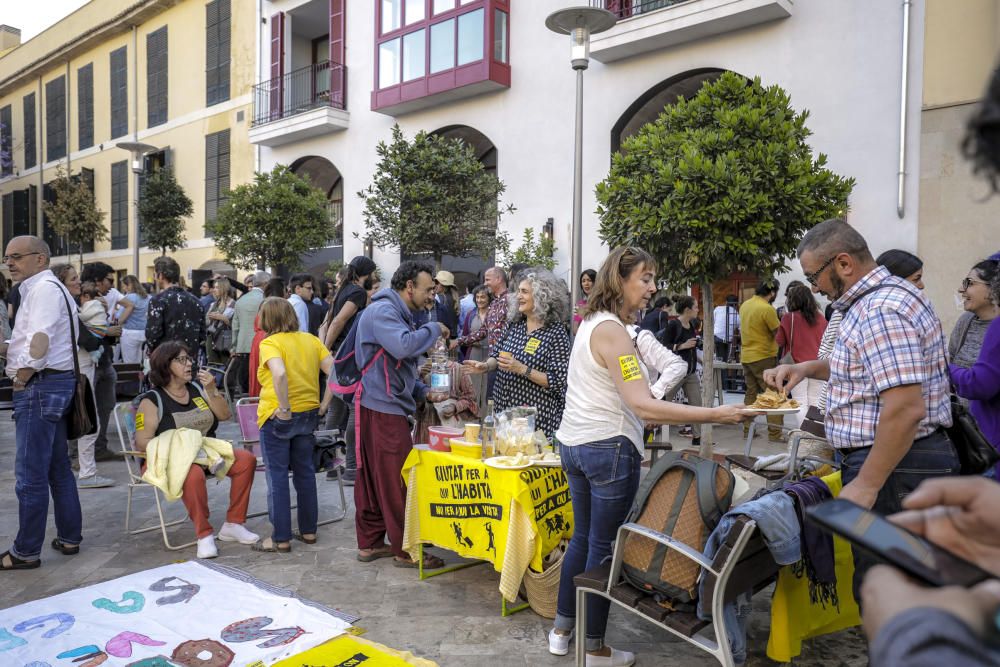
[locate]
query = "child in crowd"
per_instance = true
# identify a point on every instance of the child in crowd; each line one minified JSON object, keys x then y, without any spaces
{"x":92,"y":315}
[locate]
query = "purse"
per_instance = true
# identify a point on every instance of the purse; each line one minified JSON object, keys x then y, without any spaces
{"x":975,"y":453}
{"x":83,"y":410}
{"x":787,"y":357}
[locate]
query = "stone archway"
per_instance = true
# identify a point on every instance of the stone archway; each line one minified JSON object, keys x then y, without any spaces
{"x":324,"y":176}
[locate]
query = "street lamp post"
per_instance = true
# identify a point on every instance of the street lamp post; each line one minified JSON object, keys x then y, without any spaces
{"x":579,"y":23}
{"x":138,"y":150}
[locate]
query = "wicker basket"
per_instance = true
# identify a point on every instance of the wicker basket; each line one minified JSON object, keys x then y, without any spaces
{"x":542,"y":588}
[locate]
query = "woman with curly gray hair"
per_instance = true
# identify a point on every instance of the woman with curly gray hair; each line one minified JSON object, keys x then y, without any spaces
{"x":532,"y":358}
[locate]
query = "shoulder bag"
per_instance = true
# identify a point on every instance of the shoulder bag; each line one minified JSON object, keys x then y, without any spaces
{"x":787,"y":358}
{"x":83,"y":410}
{"x":974,"y":451}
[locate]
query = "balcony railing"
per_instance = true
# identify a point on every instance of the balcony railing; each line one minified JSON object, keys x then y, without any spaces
{"x":307,"y":88}
{"x":624,"y":9}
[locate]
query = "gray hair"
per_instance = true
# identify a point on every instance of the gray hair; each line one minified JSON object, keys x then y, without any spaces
{"x":833,"y":237}
{"x":261,"y":278}
{"x":550,"y":294}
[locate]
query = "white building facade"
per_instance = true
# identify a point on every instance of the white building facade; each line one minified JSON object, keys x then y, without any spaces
{"x":335,"y":78}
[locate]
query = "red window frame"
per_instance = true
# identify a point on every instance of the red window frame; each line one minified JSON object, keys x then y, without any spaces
{"x":483,"y":69}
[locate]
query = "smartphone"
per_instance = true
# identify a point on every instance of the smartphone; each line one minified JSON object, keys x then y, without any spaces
{"x":895,"y":545}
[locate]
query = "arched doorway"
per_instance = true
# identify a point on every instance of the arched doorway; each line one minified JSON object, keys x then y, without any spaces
{"x":324,"y":176}
{"x":467,"y":269}
{"x":645,"y":109}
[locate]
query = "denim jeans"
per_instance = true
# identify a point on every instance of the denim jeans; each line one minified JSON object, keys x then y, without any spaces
{"x":288,"y":445}
{"x":41,"y":464}
{"x":105,"y":381}
{"x":929,"y":457}
{"x":603,"y":478}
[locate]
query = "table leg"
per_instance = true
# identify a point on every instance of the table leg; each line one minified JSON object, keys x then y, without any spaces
{"x":506,"y":611}
{"x":443,"y":570}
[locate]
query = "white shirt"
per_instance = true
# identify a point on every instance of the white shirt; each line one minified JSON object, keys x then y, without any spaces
{"x":43,"y":311}
{"x":111,"y":299}
{"x":719,"y":328}
{"x":302,"y":310}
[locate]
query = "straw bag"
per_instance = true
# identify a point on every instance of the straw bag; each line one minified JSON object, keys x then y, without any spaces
{"x":542,"y":588}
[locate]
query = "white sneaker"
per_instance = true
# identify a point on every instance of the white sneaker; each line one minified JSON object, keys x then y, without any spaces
{"x":559,"y":644}
{"x":237,"y":532}
{"x":94,"y":482}
{"x":207,"y":548}
{"x":616,"y":659}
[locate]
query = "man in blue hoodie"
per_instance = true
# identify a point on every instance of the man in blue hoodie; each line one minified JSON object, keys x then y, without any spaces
{"x":389,"y":395}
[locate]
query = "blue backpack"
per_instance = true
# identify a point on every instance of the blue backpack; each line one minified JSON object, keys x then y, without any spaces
{"x":346,"y":379}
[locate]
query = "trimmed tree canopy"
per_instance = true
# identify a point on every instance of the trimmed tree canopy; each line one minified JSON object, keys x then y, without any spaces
{"x":273,"y":221}
{"x":73,"y":213}
{"x":162,"y":210}
{"x":719,"y":183}
{"x":432,"y":195}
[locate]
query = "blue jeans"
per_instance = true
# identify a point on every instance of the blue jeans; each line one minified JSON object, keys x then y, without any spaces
{"x":289,"y":445}
{"x":603,"y":478}
{"x":41,"y":464}
{"x":929,"y":457}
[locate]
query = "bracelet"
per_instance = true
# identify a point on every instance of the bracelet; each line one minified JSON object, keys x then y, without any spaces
{"x":284,"y":410}
{"x":527,"y":371}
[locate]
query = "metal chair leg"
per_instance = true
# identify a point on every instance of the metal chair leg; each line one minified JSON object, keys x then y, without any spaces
{"x":343,"y":503}
{"x":164,"y":524}
{"x":581,"y":627}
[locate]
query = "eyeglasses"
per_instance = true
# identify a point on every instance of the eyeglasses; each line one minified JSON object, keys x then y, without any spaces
{"x":969,"y":282}
{"x":184,"y":360}
{"x":17,"y":258}
{"x":813,"y":277}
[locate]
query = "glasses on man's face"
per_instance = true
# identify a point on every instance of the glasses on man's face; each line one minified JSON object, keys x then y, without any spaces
{"x":813,"y":277}
{"x":184,"y":361}
{"x":969,"y":282}
{"x":17,"y":257}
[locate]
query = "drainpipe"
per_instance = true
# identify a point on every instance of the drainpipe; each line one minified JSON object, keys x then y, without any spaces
{"x":69,"y":152}
{"x":39,"y":159}
{"x":260,"y":79}
{"x":904,"y":93}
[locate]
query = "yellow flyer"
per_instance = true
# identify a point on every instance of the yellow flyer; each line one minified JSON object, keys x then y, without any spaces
{"x":630,"y":368}
{"x":532,"y":345}
{"x":347,"y":651}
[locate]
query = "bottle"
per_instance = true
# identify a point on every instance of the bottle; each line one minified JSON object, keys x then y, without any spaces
{"x":440,"y":377}
{"x":488,"y":431}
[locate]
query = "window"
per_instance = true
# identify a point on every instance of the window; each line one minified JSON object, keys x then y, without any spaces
{"x":218,"y":14}
{"x":156,"y":77}
{"x":391,"y":10}
{"x":443,"y":6}
{"x":414,"y":11}
{"x":413,"y":55}
{"x":85,"y":106}
{"x":119,"y":205}
{"x":470,"y":37}
{"x":30,"y":152}
{"x":55,"y":119}
{"x":119,"y":93}
{"x":500,"y":36}
{"x":6,"y":143}
{"x":442,"y":46}
{"x":388,"y":63}
{"x":216,"y":173}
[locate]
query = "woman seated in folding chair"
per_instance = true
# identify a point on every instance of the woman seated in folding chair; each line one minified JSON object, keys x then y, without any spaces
{"x":176,"y":401}
{"x":288,"y":415}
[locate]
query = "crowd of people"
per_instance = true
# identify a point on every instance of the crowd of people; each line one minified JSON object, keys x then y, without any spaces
{"x":877,"y":364}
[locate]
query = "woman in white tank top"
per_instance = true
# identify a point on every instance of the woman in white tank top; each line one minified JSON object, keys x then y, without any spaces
{"x":600,"y":437}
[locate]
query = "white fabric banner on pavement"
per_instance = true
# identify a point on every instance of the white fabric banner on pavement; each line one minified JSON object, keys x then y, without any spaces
{"x":190,"y":613}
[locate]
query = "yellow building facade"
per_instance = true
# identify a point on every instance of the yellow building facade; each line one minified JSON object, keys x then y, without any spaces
{"x":173,"y":74}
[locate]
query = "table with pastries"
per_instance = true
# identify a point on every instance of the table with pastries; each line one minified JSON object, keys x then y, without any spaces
{"x":509,"y":518}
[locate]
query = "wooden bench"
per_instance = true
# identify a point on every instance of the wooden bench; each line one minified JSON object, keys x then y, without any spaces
{"x":743,"y":563}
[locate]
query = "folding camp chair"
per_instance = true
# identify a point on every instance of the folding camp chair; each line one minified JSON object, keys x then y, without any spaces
{"x":125,"y":421}
{"x":246,"y":416}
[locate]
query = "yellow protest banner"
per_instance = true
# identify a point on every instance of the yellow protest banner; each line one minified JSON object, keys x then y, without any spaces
{"x":347,"y":651}
{"x":463,"y":505}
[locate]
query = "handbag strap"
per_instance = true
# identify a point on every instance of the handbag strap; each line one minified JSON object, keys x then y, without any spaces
{"x":72,"y":328}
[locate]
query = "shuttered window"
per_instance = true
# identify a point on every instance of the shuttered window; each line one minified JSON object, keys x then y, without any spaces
{"x":119,"y":205}
{"x":30,"y":151}
{"x":216,"y":173}
{"x":156,"y":77}
{"x":217,"y":37}
{"x":6,"y":143}
{"x":55,"y":119}
{"x":119,"y":92}
{"x":85,"y":105}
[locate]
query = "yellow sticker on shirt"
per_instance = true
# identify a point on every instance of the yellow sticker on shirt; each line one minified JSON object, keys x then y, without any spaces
{"x":140,"y":421}
{"x":200,"y":402}
{"x":630,"y":367}
{"x":532,"y":345}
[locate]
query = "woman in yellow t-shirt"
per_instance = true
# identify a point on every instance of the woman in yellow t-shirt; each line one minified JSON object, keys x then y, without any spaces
{"x":288,"y":414}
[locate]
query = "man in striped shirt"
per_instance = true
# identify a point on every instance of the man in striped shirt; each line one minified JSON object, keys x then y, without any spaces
{"x":887,"y":400}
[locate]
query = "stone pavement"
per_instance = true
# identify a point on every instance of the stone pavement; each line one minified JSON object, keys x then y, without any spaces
{"x":453,"y":619}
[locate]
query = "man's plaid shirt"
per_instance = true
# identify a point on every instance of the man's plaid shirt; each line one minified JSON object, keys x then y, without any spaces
{"x":889,"y":338}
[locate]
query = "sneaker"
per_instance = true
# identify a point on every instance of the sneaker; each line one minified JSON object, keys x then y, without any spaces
{"x":616,"y":659}
{"x":559,"y":644}
{"x":207,"y":548}
{"x":235,"y":532}
{"x":94,"y":482}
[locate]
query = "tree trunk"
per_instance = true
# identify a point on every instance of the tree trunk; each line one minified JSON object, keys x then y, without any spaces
{"x":708,"y":365}
{"x":438,"y":260}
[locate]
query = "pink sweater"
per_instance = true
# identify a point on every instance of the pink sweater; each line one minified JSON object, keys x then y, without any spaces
{"x":804,"y":339}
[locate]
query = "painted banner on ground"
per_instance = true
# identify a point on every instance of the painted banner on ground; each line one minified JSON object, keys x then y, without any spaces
{"x":346,"y":651}
{"x":189,"y":613}
{"x":465,"y":506}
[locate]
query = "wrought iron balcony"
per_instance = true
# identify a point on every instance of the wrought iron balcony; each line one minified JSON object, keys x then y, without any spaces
{"x":624,"y":9}
{"x":307,"y":88}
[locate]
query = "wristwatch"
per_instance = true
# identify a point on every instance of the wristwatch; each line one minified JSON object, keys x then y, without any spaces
{"x":284,"y":411}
